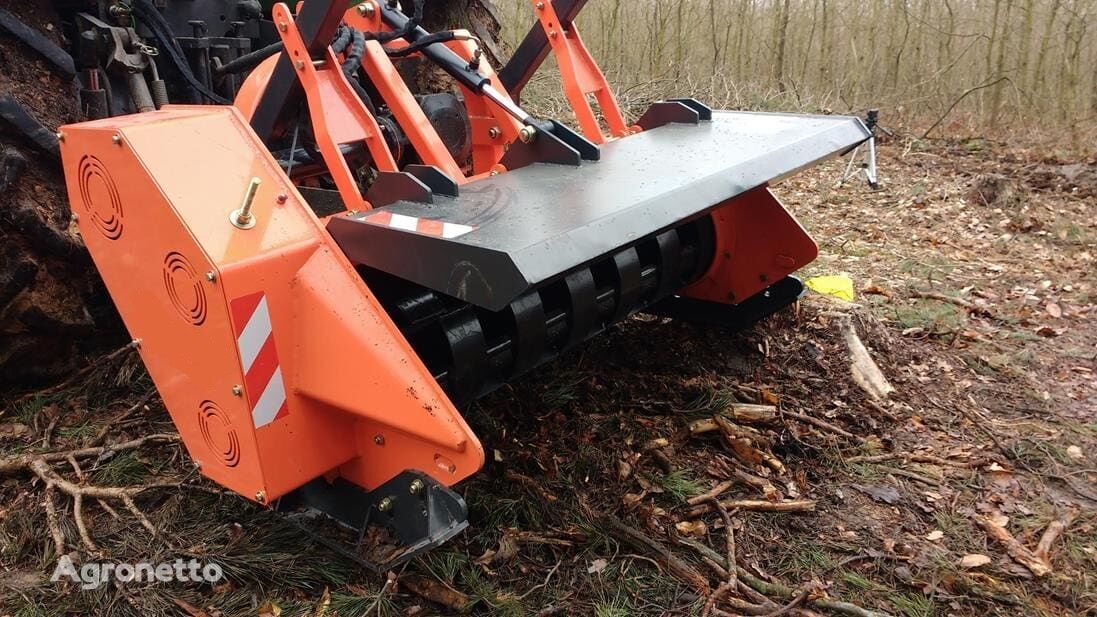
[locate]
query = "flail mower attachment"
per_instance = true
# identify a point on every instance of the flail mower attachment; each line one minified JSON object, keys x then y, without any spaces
{"x":322,"y":273}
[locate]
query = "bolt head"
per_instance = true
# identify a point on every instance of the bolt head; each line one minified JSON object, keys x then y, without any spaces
{"x":385,"y":504}
{"x":494,"y":132}
{"x":283,"y":26}
{"x":366,"y":9}
{"x":300,"y":64}
{"x":117,"y":139}
{"x":75,"y":217}
{"x":237,"y":391}
{"x":554,"y":34}
{"x":416,"y":487}
{"x":260,"y":496}
{"x":540,"y":6}
{"x":379,"y":440}
{"x":211,"y":276}
{"x":282,"y":198}
{"x":61,"y":136}
{"x":527,"y":134}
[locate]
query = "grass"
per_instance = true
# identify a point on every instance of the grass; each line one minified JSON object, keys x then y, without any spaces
{"x":678,"y":485}
{"x":913,"y":605}
{"x":930,"y":315}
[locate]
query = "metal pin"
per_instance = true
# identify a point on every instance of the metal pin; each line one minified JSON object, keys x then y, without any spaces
{"x":366,"y":9}
{"x":527,"y":134}
{"x":385,"y":504}
{"x":416,"y":487}
{"x":243,"y":218}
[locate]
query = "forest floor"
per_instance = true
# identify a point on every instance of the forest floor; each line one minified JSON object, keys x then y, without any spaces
{"x":969,"y":490}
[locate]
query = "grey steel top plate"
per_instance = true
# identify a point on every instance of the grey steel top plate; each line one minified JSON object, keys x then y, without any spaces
{"x":538,"y":222}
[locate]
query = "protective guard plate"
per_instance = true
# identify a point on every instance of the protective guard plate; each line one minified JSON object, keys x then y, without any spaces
{"x":508,"y":233}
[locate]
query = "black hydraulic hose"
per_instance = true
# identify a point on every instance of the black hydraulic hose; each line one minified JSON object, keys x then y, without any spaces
{"x":148,"y":13}
{"x":249,"y":61}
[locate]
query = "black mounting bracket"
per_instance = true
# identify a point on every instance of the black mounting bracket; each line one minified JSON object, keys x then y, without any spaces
{"x":674,"y":111}
{"x":383,"y":528}
{"x":733,"y":317}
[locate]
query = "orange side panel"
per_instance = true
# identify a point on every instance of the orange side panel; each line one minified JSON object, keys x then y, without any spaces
{"x":757,"y":244}
{"x":273,"y":358}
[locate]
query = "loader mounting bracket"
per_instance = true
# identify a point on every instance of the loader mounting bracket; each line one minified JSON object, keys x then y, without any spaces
{"x":383,"y":528}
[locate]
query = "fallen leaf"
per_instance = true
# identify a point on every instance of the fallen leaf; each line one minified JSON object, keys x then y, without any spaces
{"x":692,"y":528}
{"x":597,"y":566}
{"x":1075,"y":453}
{"x":268,"y":609}
{"x":1054,"y":310}
{"x":974,"y":561}
{"x":885,"y":494}
{"x":935,"y":535}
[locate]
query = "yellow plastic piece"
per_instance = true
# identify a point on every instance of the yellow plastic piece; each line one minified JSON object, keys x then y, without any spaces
{"x":839,"y":286}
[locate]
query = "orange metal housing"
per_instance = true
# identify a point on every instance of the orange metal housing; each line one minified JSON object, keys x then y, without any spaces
{"x":153,"y":194}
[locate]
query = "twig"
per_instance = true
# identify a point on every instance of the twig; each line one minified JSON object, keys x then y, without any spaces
{"x":817,"y":423}
{"x":781,"y":591}
{"x":913,"y":458}
{"x":78,"y":375}
{"x":960,"y":302}
{"x":24,"y":461}
{"x":786,"y":609}
{"x":963,"y":96}
{"x":758,"y":505}
{"x":1052,"y":533}
{"x":1039,"y":566}
{"x":680,"y":569}
{"x":714,"y":493}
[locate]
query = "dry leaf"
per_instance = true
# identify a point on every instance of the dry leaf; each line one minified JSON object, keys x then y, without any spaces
{"x":597,"y":566}
{"x":1054,"y":310}
{"x":692,"y":528}
{"x":1075,"y":453}
{"x":935,"y":535}
{"x":269,"y":609}
{"x":974,"y":561}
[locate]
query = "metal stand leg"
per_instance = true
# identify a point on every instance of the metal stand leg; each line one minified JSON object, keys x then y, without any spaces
{"x":868,"y":166}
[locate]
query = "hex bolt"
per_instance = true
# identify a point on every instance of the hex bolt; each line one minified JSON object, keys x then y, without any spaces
{"x":237,"y":391}
{"x":243,"y":218}
{"x":75,"y":217}
{"x":136,"y":343}
{"x":61,"y":136}
{"x":494,"y":132}
{"x":385,"y":504}
{"x":366,"y":9}
{"x":283,"y":26}
{"x":540,"y":6}
{"x":416,"y":487}
{"x":527,"y":134}
{"x":379,"y":440}
{"x":553,"y":34}
{"x":117,"y":139}
{"x":211,"y":276}
{"x":282,"y":198}
{"x":260,"y":496}
{"x":299,"y":64}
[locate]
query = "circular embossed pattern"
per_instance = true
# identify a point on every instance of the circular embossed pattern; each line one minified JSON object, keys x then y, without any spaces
{"x":184,"y":288}
{"x":100,"y":196}
{"x":218,"y":433}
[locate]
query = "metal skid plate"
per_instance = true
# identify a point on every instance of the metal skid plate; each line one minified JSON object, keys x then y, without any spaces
{"x":382,"y":528}
{"x":508,"y":233}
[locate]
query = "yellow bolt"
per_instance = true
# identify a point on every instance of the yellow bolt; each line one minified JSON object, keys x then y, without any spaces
{"x":260,"y":496}
{"x":243,"y":218}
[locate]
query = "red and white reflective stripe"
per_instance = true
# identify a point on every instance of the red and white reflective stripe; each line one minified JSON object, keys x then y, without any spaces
{"x":429,"y":227}
{"x":265,"y":388}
